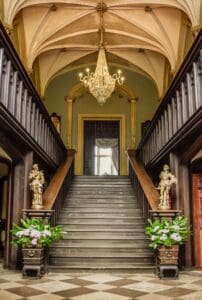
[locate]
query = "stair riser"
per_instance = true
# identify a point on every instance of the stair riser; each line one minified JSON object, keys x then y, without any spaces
{"x":90,"y":252}
{"x":99,"y":261}
{"x":88,"y":228}
{"x":100,"y":215}
{"x":105,"y":205}
{"x":105,"y":235}
{"x":100,"y":210}
{"x":135,"y":243}
{"x":101,"y":202}
{"x":95,"y":196}
{"x":104,"y":228}
{"x":100,"y":221}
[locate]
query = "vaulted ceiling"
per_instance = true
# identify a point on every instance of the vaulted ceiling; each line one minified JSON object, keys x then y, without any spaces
{"x":141,"y":35}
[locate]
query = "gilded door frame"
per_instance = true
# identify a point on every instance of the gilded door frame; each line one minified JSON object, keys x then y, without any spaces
{"x":79,"y":160}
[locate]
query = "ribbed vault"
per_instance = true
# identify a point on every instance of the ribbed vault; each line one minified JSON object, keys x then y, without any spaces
{"x":142,"y":34}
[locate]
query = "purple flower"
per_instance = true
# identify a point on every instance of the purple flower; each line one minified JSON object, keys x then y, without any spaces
{"x":35,"y":234}
{"x":176,"y":237}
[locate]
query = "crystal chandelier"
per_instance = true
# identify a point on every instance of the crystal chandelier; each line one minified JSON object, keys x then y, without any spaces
{"x":100,"y":83}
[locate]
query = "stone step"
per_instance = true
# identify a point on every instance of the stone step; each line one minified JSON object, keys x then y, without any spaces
{"x":102,"y":193}
{"x":103,"y":228}
{"x":115,"y":269}
{"x":99,"y":205}
{"x":105,"y":178}
{"x":99,"y":210}
{"x":99,"y":261}
{"x":101,"y":221}
{"x":103,"y":235}
{"x":85,"y":201}
{"x":106,"y":187}
{"x":92,"y":252}
{"x":103,"y":244}
{"x":90,"y":215}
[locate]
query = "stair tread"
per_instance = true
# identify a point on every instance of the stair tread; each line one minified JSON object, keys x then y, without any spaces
{"x":104,"y":227}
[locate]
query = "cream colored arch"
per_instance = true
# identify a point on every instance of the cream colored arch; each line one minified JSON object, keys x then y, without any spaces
{"x":78,"y":89}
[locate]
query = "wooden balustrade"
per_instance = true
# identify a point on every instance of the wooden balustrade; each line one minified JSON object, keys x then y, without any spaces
{"x":145,"y":190}
{"x":56,"y":191}
{"x":20,"y":102}
{"x":180,"y":109}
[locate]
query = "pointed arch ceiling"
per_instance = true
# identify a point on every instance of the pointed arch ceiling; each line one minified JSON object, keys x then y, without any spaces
{"x":62,"y":33}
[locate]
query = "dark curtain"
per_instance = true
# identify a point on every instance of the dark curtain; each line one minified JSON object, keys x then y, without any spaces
{"x":96,"y":130}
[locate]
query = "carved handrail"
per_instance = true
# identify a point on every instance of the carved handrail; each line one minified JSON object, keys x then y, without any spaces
{"x":145,"y":182}
{"x":179,"y":113}
{"x":22,"y":109}
{"x":55,"y":193}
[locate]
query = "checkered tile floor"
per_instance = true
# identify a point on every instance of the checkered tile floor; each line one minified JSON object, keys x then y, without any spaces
{"x":100,"y":286}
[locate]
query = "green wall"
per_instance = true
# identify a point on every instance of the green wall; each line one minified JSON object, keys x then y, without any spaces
{"x":142,"y":87}
{"x":1,"y":10}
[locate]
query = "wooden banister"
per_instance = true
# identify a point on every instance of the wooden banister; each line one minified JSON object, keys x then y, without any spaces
{"x":178,"y":117}
{"x":52,"y":191}
{"x":145,"y":181}
{"x":22,"y":113}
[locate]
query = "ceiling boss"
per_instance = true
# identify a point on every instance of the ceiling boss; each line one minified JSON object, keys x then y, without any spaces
{"x":100,"y":83}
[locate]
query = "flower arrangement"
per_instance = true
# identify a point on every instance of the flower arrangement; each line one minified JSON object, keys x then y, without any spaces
{"x":34,"y":233}
{"x":167,"y":233}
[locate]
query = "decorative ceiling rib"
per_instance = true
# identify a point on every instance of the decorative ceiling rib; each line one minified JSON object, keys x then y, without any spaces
{"x":142,"y":34}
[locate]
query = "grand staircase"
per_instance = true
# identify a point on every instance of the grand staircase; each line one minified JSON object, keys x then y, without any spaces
{"x":104,"y":228}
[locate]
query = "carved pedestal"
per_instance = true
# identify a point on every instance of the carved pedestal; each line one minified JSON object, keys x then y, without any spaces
{"x":167,"y":262}
{"x":33,"y":262}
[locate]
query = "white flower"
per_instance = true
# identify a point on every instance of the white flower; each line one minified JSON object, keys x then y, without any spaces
{"x":34,"y":241}
{"x":46,"y":233}
{"x":19,"y":233}
{"x":26,"y":232}
{"x":153,"y":237}
{"x":163,"y":237}
{"x":156,"y":228}
{"x":175,"y":227}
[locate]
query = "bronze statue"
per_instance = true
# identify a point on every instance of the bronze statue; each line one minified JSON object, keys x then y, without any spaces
{"x":166,"y":180}
{"x":36,"y":178}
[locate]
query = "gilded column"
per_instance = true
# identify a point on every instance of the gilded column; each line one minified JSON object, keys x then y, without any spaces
{"x":133,"y":117}
{"x":69,"y":122}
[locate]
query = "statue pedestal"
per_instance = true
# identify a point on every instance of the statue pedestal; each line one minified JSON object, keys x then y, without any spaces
{"x":159,"y":214}
{"x":43,"y":214}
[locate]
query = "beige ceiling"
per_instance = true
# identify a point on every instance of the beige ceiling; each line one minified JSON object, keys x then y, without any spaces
{"x":140,"y":35}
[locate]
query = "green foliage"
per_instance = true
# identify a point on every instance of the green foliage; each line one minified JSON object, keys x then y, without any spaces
{"x":35,"y":233}
{"x":168,"y":232}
